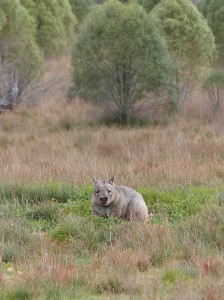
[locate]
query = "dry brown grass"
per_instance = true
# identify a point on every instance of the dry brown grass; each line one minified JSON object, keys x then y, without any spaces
{"x":54,"y":141}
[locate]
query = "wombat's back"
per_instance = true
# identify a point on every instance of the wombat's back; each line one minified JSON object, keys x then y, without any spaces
{"x":133,"y":203}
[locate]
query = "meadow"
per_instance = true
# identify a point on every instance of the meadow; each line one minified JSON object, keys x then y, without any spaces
{"x":51,"y":247}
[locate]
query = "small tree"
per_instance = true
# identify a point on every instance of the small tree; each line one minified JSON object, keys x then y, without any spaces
{"x":118,"y":56}
{"x":213,"y":10}
{"x":189,"y":39}
{"x":30,"y":30}
{"x":54,"y":23}
{"x":20,"y":57}
{"x":214,"y":86}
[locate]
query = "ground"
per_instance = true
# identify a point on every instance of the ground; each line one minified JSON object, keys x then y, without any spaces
{"x":51,"y":247}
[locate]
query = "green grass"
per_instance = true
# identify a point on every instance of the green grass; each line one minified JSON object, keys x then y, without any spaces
{"x":49,"y":227}
{"x":37,"y":192}
{"x":178,"y":203}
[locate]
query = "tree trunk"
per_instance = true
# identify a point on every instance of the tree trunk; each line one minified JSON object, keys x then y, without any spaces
{"x":124,"y":117}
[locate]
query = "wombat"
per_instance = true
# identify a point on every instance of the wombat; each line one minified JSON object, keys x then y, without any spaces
{"x":110,"y":200}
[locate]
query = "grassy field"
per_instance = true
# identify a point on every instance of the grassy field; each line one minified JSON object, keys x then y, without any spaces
{"x":51,"y":247}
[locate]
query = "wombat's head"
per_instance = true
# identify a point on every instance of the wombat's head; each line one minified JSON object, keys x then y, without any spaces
{"x":104,"y":191}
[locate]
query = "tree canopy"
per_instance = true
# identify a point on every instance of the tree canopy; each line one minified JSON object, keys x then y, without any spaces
{"x":213,"y":10}
{"x":30,"y":30}
{"x":188,"y":36}
{"x":20,"y":56}
{"x":81,"y":8}
{"x":148,"y":4}
{"x":54,"y":24}
{"x":119,"y":55}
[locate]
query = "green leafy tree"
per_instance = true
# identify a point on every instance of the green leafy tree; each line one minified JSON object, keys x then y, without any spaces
{"x":20,"y":57}
{"x":188,"y":37}
{"x":213,"y":10}
{"x":214,"y":86}
{"x":81,"y":8}
{"x":54,"y":24}
{"x":118,"y":56}
{"x":148,"y":4}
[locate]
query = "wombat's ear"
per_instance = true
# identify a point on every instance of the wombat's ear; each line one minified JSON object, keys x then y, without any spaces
{"x":94,"y":181}
{"x":111,"y":181}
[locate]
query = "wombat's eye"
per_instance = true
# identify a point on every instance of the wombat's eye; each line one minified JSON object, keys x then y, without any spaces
{"x":109,"y":191}
{"x":97,"y":191}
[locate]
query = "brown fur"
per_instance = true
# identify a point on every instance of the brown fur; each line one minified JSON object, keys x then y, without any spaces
{"x":109,"y":200}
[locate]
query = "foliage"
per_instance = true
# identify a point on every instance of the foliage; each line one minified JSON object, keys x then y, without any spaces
{"x":54,"y":23}
{"x":214,"y":86}
{"x":81,"y":8}
{"x":30,"y":29}
{"x":21,"y":58}
{"x":148,"y":4}
{"x":189,"y":39}
{"x":213,"y":10}
{"x":118,"y":56}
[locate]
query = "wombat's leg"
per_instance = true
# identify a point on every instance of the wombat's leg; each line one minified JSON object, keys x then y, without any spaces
{"x":138,"y":212}
{"x":97,"y":214}
{"x":116,"y":213}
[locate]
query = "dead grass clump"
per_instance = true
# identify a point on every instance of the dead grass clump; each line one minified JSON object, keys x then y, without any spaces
{"x":50,"y":269}
{"x":213,"y":266}
{"x":156,"y":242}
{"x":109,"y":148}
{"x":126,"y":260}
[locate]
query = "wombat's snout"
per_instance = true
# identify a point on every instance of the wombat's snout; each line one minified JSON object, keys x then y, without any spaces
{"x":103,"y":199}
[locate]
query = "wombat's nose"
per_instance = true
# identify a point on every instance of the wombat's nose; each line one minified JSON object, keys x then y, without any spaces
{"x":103,"y":199}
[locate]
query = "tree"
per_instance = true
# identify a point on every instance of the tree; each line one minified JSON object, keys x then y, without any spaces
{"x":213,"y":10}
{"x":30,"y":30}
{"x":214,"y":86}
{"x":54,"y":23}
{"x":20,"y":57}
{"x":81,"y":8}
{"x":148,"y":4}
{"x":118,"y":56}
{"x":188,"y":37}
